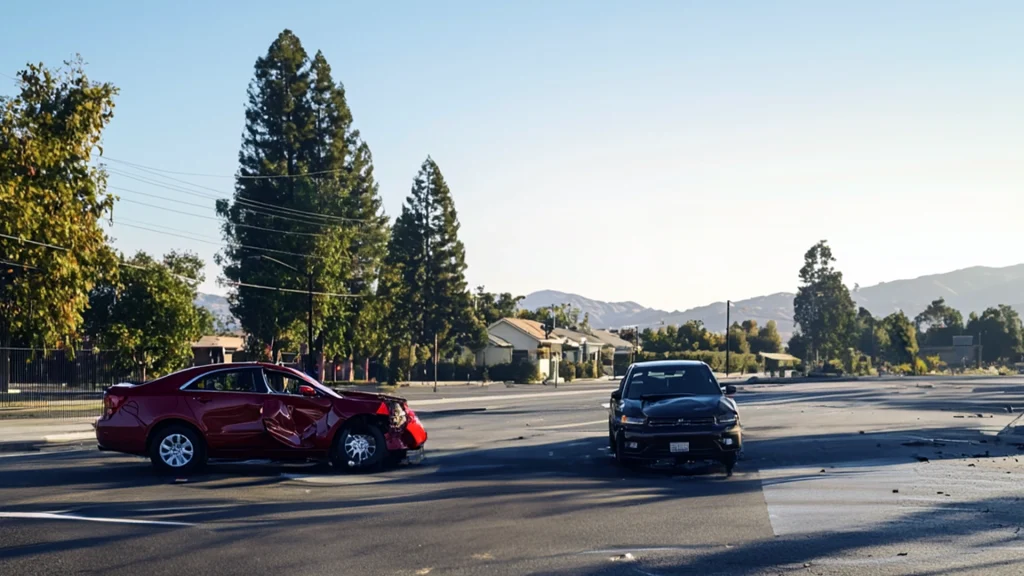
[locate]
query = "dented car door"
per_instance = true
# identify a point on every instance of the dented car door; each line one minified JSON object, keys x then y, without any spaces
{"x":293,"y":420}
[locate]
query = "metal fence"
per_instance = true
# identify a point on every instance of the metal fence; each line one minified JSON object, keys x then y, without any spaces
{"x":38,"y":383}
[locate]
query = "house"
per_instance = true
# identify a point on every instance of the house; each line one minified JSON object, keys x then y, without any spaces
{"x":578,"y":346}
{"x":529,"y":342}
{"x":216,"y":349}
{"x":497,"y":351}
{"x":622,"y":347}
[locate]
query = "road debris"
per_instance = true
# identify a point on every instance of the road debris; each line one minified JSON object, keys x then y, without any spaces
{"x":627,"y":557}
{"x":902,"y":553}
{"x":895,"y":491}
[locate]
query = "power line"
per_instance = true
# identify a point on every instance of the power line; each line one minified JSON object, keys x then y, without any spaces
{"x":264,"y":205}
{"x":247,"y":209}
{"x":239,"y":176}
{"x":8,"y":262}
{"x":292,"y":290}
{"x":36,"y":243}
{"x":219,"y":281}
{"x":287,"y":232}
{"x":221,"y":244}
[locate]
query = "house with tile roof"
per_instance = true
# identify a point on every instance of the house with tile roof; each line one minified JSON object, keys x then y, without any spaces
{"x":528,"y":341}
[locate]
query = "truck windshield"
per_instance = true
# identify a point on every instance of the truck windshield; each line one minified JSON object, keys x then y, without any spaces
{"x":672,"y":381}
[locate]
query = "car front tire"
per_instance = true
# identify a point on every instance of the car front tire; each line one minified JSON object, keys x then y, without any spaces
{"x":360,"y":447}
{"x":177,"y":449}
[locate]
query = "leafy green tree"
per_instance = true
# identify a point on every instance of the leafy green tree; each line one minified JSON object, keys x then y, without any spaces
{"x":1000,"y":333}
{"x":51,"y":193}
{"x":491,"y":307}
{"x":823,"y":308}
{"x":767,"y":339}
{"x":148,"y":318}
{"x":737,"y":341}
{"x":565,"y":315}
{"x":901,"y":333}
{"x":428,"y":290}
{"x":938,"y":323}
{"x":797,"y":346}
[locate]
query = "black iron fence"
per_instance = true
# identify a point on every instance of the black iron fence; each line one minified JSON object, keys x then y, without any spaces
{"x":38,"y":383}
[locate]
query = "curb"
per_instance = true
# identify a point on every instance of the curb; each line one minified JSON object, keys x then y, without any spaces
{"x":56,"y":441}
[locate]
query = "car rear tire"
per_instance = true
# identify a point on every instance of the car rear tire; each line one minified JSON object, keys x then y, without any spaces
{"x":177,"y":449}
{"x":360,"y":447}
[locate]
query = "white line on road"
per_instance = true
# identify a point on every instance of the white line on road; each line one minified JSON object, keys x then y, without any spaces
{"x":573,"y":425}
{"x":53,"y":516}
{"x":506,"y":397}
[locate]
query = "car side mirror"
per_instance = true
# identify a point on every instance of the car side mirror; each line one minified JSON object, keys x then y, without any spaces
{"x":307,"y":391}
{"x":616,"y":395}
{"x":729,"y":390}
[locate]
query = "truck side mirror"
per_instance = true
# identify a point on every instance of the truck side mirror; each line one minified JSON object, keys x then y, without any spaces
{"x":616,"y":395}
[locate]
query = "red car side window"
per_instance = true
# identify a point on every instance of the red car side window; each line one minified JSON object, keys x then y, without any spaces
{"x":228,"y":381}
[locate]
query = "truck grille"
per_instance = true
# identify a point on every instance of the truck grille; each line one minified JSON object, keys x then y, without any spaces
{"x":657,"y":422}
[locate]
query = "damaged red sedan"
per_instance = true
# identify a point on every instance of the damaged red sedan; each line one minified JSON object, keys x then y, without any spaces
{"x":255,"y":410}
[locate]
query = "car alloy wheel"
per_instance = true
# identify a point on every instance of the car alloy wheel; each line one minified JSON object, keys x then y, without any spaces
{"x":176,"y":450}
{"x":360,"y":448}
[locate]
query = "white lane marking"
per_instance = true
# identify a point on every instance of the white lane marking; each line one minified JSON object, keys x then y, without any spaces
{"x":506,"y":397}
{"x":54,"y":516}
{"x":188,"y":508}
{"x":578,"y":424}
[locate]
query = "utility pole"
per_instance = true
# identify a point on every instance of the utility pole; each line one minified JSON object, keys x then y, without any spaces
{"x":310,"y":362}
{"x":435,"y":362}
{"x":728,"y":308}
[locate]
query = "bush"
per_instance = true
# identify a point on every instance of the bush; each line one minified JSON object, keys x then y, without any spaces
{"x":738,"y":363}
{"x":902,"y":369}
{"x":934,"y":363}
{"x":920,"y":367}
{"x":522,"y":372}
{"x":462,"y":371}
{"x":567,"y":371}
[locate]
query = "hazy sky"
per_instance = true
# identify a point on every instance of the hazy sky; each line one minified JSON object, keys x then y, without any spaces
{"x":671,"y":153}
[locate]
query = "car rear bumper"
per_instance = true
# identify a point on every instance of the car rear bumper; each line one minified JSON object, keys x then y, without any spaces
{"x":120,"y":434}
{"x":704,"y":445}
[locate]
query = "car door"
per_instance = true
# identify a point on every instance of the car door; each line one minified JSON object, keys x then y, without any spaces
{"x":229,"y":404}
{"x":295,"y":420}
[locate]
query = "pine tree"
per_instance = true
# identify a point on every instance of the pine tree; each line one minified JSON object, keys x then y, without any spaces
{"x":326,"y":205}
{"x":279,"y":122}
{"x":427,"y":259}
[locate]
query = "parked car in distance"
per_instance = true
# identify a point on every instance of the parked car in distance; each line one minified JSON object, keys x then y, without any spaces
{"x":255,"y":410}
{"x":670,"y":412}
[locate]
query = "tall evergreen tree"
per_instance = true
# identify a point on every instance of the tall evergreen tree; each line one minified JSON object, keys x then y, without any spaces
{"x":302,"y":162}
{"x":427,"y":259}
{"x":279,"y":121}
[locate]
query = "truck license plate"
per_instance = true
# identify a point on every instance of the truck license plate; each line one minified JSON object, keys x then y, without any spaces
{"x":679,"y":447}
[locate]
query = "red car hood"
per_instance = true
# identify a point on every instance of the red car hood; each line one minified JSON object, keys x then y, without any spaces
{"x":355,"y":394}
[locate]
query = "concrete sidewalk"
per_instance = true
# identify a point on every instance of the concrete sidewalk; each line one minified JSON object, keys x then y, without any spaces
{"x":31,"y":434}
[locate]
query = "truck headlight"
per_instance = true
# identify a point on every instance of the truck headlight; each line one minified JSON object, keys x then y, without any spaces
{"x":727,"y":419}
{"x":632,"y":421}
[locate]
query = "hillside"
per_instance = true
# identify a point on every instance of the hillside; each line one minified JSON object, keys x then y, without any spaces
{"x":968,"y":290}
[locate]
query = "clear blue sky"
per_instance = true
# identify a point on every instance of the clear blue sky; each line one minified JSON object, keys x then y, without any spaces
{"x":707,"y":143}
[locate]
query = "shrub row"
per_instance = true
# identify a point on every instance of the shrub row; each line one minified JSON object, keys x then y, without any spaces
{"x":738,"y":363}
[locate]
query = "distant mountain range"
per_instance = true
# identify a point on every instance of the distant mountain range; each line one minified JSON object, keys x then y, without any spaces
{"x":968,"y":290}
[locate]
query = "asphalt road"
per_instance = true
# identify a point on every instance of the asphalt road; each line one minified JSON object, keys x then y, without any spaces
{"x":886,"y":477}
